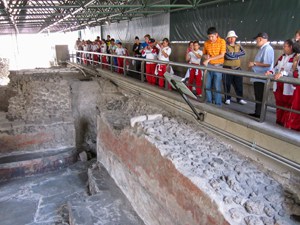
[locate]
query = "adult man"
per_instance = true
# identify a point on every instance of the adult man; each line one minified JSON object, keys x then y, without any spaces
{"x":264,"y":61}
{"x":232,"y":61}
{"x":214,"y":51}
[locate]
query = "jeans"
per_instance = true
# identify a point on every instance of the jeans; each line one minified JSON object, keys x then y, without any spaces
{"x":215,"y":79}
{"x":236,"y":81}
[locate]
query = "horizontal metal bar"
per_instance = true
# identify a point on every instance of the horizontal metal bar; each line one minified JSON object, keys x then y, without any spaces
{"x":208,"y":68}
{"x":86,"y":14}
{"x":252,"y":146}
{"x":103,"y":6}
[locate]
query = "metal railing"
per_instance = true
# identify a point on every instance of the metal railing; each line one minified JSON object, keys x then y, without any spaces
{"x":85,"y":57}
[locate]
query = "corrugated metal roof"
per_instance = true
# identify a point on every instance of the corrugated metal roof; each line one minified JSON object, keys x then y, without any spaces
{"x":29,"y":16}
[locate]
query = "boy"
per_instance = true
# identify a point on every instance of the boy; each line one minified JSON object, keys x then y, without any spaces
{"x":194,"y":57}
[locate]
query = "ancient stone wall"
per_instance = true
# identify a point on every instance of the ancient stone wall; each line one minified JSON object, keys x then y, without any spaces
{"x":39,"y":114}
{"x":40,"y":97}
{"x":174,"y":172}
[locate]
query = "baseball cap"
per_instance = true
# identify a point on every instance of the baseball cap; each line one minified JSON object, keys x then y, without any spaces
{"x":262,"y":35}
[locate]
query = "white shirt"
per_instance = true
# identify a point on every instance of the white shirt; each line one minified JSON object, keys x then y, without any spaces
{"x":95,"y":47}
{"x":103,"y":48}
{"x":167,"y":50}
{"x":284,"y":66}
{"x":149,"y":54}
{"x":120,"y":51}
{"x":193,"y":58}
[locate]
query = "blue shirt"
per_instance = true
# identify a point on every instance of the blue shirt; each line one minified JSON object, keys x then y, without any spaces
{"x":144,"y":45}
{"x":265,"y":55}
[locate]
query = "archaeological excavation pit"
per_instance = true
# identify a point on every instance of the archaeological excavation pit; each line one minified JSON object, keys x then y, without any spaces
{"x":141,"y":161}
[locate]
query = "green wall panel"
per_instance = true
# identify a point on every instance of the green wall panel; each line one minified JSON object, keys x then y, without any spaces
{"x":279,"y":18}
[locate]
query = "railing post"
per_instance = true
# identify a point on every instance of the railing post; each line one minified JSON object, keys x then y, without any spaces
{"x":100,"y":61}
{"x":165,"y":81}
{"x":204,"y":78}
{"x":142,"y":71}
{"x":111,"y":64}
{"x":124,"y":67}
{"x":264,"y":101}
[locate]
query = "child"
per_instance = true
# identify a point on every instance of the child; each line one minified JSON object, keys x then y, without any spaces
{"x":188,"y":50}
{"x":163,"y":55}
{"x":103,"y":49}
{"x":120,"y":51}
{"x":150,"y":52}
{"x":194,"y":57}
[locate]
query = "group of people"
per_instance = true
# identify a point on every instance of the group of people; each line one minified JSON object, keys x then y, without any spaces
{"x":108,"y":46}
{"x":219,"y":53}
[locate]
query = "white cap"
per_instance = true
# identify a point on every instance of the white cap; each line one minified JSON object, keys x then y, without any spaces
{"x":231,"y":34}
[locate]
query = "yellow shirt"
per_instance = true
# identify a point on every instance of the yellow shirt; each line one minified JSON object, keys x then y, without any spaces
{"x":215,"y":48}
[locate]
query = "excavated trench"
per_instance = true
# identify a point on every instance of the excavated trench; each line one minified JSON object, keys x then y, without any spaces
{"x":170,"y":170}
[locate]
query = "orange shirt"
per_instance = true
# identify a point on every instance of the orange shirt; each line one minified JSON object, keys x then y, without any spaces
{"x":214,"y":49}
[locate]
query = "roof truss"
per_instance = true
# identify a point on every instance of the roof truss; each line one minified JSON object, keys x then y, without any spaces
{"x":36,"y":16}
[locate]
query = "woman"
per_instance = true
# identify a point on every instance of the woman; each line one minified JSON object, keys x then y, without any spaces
{"x":293,"y":119}
{"x":283,"y":92}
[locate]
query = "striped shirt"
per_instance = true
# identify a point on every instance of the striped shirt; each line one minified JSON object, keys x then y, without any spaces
{"x":214,"y":49}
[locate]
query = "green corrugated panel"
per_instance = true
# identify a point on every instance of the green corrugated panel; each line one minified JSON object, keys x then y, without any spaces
{"x":280,"y":19}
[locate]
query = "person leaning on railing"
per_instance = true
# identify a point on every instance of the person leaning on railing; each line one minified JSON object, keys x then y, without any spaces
{"x":232,"y":61}
{"x":293,"y":119}
{"x":283,"y":92}
{"x":214,"y":51}
{"x":263,"y":62}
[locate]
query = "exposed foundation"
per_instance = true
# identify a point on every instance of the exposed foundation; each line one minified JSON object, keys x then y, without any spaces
{"x":175,"y":173}
{"x":37,"y":132}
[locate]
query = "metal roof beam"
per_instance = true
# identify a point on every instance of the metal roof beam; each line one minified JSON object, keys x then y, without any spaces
{"x":68,"y":16}
{"x":11,"y":18}
{"x":105,"y":6}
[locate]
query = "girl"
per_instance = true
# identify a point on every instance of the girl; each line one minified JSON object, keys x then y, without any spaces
{"x":163,"y":55}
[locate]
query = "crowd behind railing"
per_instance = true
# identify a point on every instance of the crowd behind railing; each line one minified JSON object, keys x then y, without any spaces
{"x":217,"y":53}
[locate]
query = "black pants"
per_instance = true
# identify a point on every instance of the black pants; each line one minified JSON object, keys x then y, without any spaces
{"x":258,"y":93}
{"x":138,"y":65}
{"x":236,"y":82}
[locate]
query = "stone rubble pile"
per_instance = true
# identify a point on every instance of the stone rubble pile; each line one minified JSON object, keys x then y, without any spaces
{"x":244,"y":194}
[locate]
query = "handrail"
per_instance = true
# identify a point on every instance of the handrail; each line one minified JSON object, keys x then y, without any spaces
{"x":248,"y":74}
